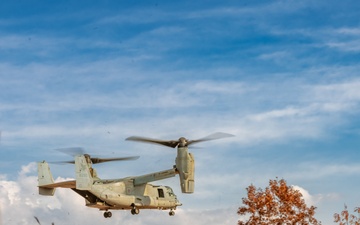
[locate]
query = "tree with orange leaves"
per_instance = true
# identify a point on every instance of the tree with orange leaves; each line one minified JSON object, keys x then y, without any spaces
{"x":345,"y":218}
{"x":279,"y":204}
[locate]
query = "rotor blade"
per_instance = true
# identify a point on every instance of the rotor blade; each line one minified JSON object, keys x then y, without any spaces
{"x":102,"y":160}
{"x":63,"y":162}
{"x":211,"y":137}
{"x":171,"y":144}
{"x":96,"y":160}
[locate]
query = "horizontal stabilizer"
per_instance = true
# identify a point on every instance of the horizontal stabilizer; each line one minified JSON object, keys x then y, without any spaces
{"x":64,"y":184}
{"x":46,"y":182}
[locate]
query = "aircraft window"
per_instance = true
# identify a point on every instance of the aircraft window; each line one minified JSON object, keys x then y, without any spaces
{"x":170,"y":191}
{"x":161,"y":193}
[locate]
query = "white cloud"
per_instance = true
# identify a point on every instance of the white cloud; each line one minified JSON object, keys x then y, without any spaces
{"x":307,"y":112}
{"x":346,"y":39}
{"x":310,"y":200}
{"x":347,"y":46}
{"x":349,"y":31}
{"x":277,"y":56}
{"x":346,"y":91}
{"x":317,"y":200}
{"x":313,"y":170}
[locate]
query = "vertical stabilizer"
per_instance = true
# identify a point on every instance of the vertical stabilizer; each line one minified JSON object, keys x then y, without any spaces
{"x":84,"y":171}
{"x":45,"y":178}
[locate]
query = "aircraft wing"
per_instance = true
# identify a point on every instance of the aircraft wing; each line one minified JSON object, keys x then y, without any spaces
{"x":154,"y":176}
{"x":64,"y":184}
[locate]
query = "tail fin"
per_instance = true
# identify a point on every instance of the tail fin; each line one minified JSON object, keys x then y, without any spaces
{"x":45,"y":178}
{"x":84,"y":172}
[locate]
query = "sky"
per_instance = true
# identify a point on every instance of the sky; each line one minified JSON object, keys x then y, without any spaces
{"x":282,"y":76}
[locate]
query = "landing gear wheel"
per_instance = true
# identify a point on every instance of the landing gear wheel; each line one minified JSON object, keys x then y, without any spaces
{"x":135,"y":211}
{"x":171,"y":213}
{"x":107,"y":214}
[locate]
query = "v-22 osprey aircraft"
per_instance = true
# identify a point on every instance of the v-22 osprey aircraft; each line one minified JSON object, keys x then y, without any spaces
{"x":129,"y":193}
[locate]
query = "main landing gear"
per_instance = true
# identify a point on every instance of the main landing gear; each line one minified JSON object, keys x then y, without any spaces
{"x":107,"y":214}
{"x":134,"y":210}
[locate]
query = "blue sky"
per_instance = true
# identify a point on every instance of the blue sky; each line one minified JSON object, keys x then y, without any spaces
{"x":282,"y":76}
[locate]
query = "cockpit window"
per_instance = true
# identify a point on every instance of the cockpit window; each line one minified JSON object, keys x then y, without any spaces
{"x":161,"y":193}
{"x":169,"y":191}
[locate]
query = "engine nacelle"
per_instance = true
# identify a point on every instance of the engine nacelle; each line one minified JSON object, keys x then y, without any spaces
{"x":185,"y":165}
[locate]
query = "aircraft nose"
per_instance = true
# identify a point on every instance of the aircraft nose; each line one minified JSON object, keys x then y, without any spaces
{"x":178,"y":203}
